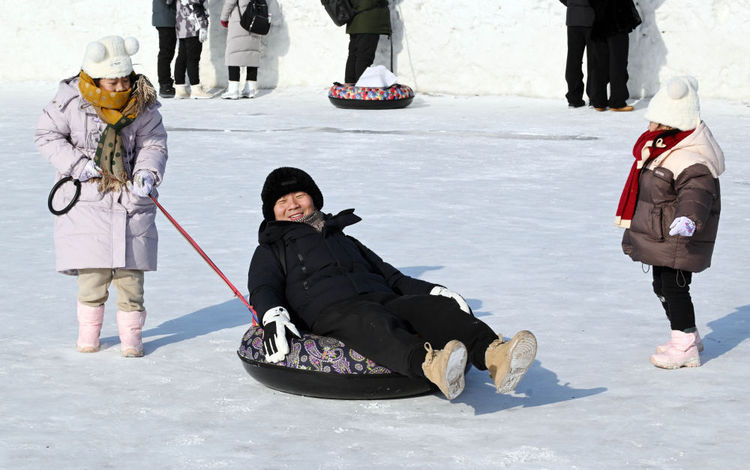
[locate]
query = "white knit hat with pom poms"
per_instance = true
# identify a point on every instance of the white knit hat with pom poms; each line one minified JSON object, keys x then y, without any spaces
{"x":676,"y":104}
{"x":109,"y":57}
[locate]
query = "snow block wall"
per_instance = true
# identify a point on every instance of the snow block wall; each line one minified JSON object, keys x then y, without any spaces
{"x":477,"y":47}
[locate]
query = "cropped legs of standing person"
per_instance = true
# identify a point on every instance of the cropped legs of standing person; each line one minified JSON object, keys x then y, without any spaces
{"x":167,"y":46}
{"x":579,"y":19}
{"x":613,"y":21}
{"x":164,"y":18}
{"x":362,"y":49}
{"x":188,"y":58}
{"x":578,"y":41}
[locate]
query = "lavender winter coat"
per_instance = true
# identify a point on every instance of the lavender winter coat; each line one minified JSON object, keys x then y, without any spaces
{"x":243,"y":48}
{"x":111,"y":230}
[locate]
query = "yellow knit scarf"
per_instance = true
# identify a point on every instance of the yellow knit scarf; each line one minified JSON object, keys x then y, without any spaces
{"x":117,"y":110}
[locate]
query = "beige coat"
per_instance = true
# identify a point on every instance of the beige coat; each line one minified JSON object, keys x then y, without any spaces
{"x":683,"y":181}
{"x":243,"y":48}
{"x":111,"y":230}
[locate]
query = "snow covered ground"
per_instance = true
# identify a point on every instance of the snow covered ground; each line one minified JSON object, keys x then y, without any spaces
{"x":506,"y":200}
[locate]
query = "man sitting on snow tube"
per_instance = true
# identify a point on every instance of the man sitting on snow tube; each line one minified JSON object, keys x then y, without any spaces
{"x":333,"y":285}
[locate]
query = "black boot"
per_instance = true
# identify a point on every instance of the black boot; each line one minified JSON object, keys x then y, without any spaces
{"x":166,"y":90}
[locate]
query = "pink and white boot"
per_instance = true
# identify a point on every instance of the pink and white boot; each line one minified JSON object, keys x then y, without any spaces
{"x":698,"y":343}
{"x":89,"y":327}
{"x":130,"y":327}
{"x":681,"y":352}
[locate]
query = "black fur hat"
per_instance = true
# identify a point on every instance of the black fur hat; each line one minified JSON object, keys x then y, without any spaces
{"x":283,"y":181}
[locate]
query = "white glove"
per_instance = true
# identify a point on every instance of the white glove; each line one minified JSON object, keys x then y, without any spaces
{"x":91,"y":170}
{"x":143,"y":183}
{"x":439,"y":290}
{"x":682,"y":226}
{"x":202,"y":34}
{"x":276,"y":329}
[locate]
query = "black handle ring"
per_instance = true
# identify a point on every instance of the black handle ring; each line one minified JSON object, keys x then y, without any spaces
{"x":71,"y":203}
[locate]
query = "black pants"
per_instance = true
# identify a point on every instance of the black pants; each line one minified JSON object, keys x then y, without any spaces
{"x":672,"y":286}
{"x":188,"y":58}
{"x":234,"y":73}
{"x":579,"y":38}
{"x":392,"y":329}
{"x":362,"y":49}
{"x":610,"y":65}
{"x":167,"y":44}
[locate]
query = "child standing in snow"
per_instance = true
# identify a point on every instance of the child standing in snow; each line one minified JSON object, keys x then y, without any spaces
{"x":192,"y":32}
{"x":670,"y":209}
{"x":104,"y":129}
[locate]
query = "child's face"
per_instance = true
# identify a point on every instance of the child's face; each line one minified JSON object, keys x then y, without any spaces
{"x":115,"y":84}
{"x":655,"y":126}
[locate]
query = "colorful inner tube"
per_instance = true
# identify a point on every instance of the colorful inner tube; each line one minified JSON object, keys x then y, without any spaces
{"x":352,"y":97}
{"x":323,"y":367}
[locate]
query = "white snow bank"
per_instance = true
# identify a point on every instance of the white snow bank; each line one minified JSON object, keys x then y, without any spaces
{"x":480,"y":47}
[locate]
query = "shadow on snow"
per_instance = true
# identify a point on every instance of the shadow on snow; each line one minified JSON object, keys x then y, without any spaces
{"x":726,"y":333}
{"x":538,"y":387}
{"x":229,"y":314}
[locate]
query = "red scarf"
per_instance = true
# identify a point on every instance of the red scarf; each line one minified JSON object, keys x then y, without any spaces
{"x":649,"y":145}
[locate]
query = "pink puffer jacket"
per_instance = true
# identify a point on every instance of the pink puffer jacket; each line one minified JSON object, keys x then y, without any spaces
{"x":111,"y":230}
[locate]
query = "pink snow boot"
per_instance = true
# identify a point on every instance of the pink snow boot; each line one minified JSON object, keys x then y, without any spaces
{"x":89,"y":326}
{"x":130,"y":326}
{"x":698,"y":343}
{"x":682,"y":352}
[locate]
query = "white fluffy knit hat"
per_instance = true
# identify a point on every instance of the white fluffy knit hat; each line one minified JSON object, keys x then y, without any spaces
{"x":109,"y":57}
{"x":676,"y":104}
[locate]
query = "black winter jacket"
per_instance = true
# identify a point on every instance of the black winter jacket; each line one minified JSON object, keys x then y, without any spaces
{"x":322,"y":268}
{"x":579,"y":13}
{"x":614,"y":17}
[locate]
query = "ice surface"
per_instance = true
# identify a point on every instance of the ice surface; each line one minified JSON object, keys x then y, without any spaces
{"x":509,"y":201}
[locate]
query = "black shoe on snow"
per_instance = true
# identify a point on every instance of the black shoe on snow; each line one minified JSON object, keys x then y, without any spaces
{"x":166,"y":90}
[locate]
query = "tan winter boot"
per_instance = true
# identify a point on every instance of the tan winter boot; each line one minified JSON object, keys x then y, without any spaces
{"x":445,"y":368}
{"x":508,"y":362}
{"x":196,"y":92}
{"x":181,"y":92}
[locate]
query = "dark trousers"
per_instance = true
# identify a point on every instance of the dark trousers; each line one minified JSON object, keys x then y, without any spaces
{"x":392,"y":329}
{"x":579,"y":38}
{"x":167,"y":44}
{"x":234,"y":73}
{"x":188,"y":58}
{"x":362,"y":49}
{"x":610,"y":65}
{"x":672,"y":286}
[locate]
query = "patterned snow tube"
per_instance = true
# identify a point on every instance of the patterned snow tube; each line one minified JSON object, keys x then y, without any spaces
{"x":323,"y":367}
{"x":352,"y":97}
